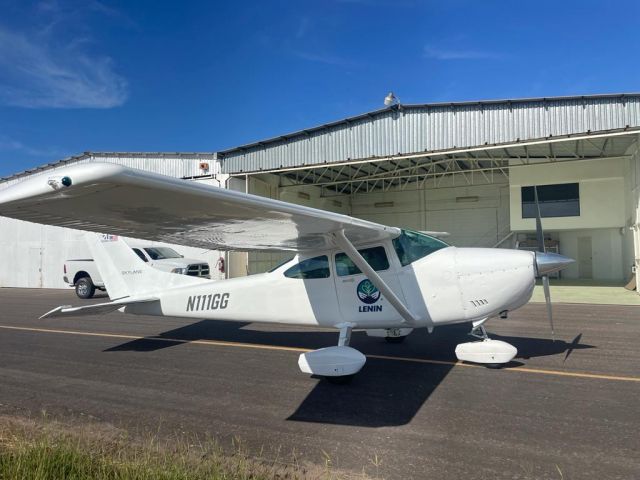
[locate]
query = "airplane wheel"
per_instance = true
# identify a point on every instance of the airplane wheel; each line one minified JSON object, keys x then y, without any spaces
{"x":494,"y":366}
{"x":341,"y":380}
{"x":395,"y":339}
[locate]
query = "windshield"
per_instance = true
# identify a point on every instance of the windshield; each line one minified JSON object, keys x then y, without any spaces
{"x":287,"y":260}
{"x":162,"y":253}
{"x":411,"y":246}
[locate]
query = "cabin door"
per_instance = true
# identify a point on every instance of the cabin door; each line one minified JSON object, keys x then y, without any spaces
{"x":359,"y":300}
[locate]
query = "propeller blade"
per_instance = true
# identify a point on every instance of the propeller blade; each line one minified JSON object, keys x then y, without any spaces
{"x":539,"y":231}
{"x":547,"y":297}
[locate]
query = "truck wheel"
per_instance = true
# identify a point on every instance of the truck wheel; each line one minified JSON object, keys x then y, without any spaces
{"x":85,"y":288}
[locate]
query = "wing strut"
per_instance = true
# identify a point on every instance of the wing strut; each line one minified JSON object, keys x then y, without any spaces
{"x":343,"y":242}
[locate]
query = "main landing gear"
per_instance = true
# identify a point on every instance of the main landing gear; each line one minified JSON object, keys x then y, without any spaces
{"x":492,"y":353}
{"x":336,"y":364}
{"x":391,"y":335}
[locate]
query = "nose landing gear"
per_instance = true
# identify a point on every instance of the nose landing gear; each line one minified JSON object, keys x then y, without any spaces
{"x":478,"y":331}
{"x":492,"y":353}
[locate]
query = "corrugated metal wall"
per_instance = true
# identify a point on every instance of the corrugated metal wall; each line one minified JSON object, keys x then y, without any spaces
{"x":177,"y":165}
{"x":421,"y":128}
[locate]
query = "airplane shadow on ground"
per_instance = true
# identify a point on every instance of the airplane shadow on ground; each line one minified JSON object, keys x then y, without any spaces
{"x":386,"y":392}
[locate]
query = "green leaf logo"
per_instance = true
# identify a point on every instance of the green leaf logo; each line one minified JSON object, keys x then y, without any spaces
{"x":367,"y":292}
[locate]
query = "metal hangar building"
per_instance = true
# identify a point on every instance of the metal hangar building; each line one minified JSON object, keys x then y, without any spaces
{"x":466,"y":168}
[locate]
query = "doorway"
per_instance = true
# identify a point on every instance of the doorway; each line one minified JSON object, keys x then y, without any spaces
{"x":585,"y":258}
{"x":34,"y":279}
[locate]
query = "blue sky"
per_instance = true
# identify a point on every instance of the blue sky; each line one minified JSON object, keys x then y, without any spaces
{"x":93,"y":75}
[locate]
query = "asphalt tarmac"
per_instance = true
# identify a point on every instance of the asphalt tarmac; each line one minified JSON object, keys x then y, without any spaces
{"x":565,"y":409}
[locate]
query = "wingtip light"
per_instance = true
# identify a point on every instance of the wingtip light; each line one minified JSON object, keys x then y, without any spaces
{"x":58,"y":183}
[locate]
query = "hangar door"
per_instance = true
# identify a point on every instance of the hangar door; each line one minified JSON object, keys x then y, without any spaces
{"x":476,"y":227}
{"x":259,"y":262}
{"x":475,"y":216}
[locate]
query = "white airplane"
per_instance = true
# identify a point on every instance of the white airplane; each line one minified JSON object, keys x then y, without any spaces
{"x":347,"y":273}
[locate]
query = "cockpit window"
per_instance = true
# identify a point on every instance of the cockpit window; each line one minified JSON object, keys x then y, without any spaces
{"x":280,"y":264}
{"x":411,"y":246}
{"x":376,"y":257}
{"x":316,"y":267}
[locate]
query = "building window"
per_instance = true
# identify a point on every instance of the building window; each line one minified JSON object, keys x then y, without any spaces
{"x":316,"y":267}
{"x":562,"y":200}
{"x":376,"y":257}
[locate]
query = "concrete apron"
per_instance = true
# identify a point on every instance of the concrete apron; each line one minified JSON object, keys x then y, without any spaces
{"x":587,"y":291}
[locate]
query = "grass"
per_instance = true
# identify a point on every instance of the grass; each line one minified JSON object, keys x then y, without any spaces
{"x":48,"y":450}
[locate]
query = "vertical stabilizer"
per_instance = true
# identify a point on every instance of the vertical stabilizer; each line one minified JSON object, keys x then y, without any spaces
{"x":124,"y":274}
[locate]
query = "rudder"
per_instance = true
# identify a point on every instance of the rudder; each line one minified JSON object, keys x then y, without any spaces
{"x":124,"y":274}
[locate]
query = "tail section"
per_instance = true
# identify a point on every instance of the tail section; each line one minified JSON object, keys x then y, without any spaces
{"x":124,"y":274}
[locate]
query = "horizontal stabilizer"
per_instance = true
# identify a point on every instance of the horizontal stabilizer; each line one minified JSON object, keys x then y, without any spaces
{"x":96,"y":309}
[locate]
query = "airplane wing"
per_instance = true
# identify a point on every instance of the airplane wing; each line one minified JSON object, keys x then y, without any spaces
{"x":116,"y":200}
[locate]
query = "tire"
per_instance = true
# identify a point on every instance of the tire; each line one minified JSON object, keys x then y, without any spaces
{"x":85,"y":288}
{"x":395,"y":339}
{"x":341,"y":380}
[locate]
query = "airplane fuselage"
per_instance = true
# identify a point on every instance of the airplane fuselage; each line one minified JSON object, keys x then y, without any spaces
{"x":450,"y":285}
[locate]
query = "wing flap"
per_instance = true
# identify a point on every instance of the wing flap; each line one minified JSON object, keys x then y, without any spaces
{"x":113,"y":199}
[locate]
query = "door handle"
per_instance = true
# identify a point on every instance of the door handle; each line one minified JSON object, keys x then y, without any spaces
{"x":348,"y":280}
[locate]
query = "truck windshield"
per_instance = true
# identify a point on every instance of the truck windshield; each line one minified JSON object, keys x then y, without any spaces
{"x":162,"y":253}
{"x":411,"y":246}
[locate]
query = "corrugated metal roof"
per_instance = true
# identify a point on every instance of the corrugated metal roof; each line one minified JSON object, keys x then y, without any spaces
{"x":173,"y":164}
{"x":397,"y":130}
{"x":406,"y":129}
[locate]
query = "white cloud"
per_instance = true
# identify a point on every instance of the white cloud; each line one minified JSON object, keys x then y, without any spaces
{"x":8,"y":144}
{"x":447,"y":54}
{"x":38,"y":70}
{"x":327,"y":59}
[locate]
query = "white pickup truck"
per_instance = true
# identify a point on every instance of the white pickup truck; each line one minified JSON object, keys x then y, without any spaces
{"x":84,"y":276}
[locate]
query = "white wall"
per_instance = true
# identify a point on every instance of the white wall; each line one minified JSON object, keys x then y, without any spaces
{"x":609,"y":194}
{"x":474,"y":215}
{"x":631,"y":242}
{"x":606,"y":248}
{"x":33,"y":256}
{"x":602,"y":193}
